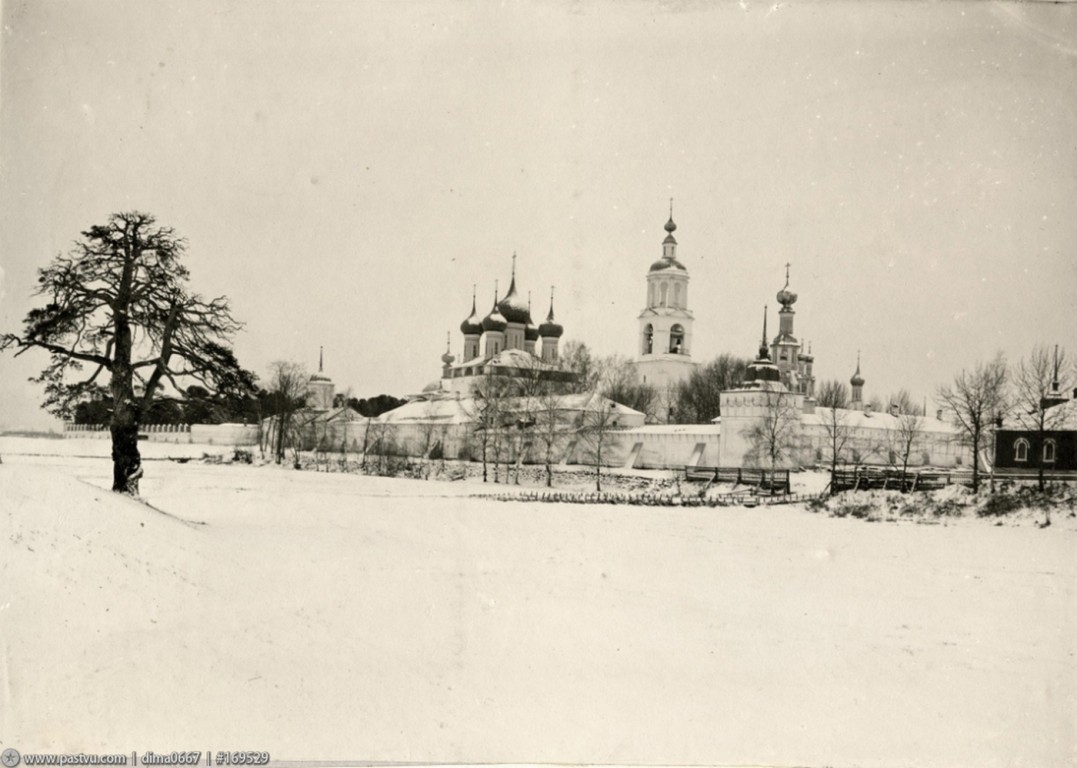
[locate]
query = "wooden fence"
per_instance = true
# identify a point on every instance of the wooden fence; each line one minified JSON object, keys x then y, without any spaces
{"x":775,"y":481}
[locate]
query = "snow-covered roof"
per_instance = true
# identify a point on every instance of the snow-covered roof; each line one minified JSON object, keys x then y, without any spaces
{"x":335,"y":415}
{"x":675,"y":429}
{"x":463,"y":409}
{"x":856,"y":419}
{"x":509,"y":358}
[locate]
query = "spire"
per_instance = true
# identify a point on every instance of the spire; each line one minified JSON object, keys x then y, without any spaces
{"x":763,"y":342}
{"x":321,"y":354}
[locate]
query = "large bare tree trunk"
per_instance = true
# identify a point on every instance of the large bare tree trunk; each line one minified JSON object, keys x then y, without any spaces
{"x":126,"y":460}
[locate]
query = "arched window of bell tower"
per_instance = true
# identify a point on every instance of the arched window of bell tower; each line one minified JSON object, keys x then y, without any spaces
{"x":676,"y":339}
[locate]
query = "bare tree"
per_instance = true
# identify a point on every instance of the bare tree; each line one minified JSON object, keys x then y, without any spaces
{"x":697,"y":399}
{"x":383,"y":445}
{"x":599,"y":420}
{"x":577,"y":357}
{"x":428,"y":432}
{"x":548,"y":427}
{"x":1038,"y":383}
{"x":832,"y":394}
{"x":490,"y":398}
{"x":118,"y":302}
{"x":287,"y":397}
{"x":835,"y":422}
{"x":773,"y":435}
{"x":976,"y":399}
{"x":620,"y":382}
{"x":902,"y":402}
{"x":903,"y":438}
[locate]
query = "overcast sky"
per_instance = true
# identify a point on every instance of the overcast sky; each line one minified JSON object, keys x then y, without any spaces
{"x":346,"y":171}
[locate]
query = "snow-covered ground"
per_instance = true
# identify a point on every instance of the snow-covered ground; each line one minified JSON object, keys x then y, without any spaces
{"x":341,"y":617}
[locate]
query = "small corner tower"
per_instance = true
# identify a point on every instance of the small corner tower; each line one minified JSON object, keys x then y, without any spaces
{"x":320,"y":387}
{"x":665,"y":324}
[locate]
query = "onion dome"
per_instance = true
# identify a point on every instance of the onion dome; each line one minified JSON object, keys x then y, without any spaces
{"x":513,"y":307}
{"x":857,"y":380}
{"x":668,"y":264}
{"x":531,"y":332}
{"x":494,"y":321}
{"x":785,"y":296}
{"x":551,"y":329}
{"x":473,"y":325}
{"x":448,"y":357}
{"x":669,"y":247}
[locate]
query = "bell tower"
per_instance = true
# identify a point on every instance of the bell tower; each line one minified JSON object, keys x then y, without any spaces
{"x":664,"y":341}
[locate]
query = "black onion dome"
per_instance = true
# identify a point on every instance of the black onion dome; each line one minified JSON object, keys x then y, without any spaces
{"x":551,"y":329}
{"x":494,"y":321}
{"x":531,"y":332}
{"x":513,"y":307}
{"x":670,"y":226}
{"x":473,"y":325}
{"x":667,"y":264}
{"x":857,"y":380}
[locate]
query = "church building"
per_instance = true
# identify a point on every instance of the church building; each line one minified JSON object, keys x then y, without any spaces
{"x":505,"y":342}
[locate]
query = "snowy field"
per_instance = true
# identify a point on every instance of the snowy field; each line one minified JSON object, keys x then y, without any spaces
{"x":340,"y":617}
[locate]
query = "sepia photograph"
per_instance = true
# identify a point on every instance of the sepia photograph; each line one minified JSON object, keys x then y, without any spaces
{"x":644,"y":383}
